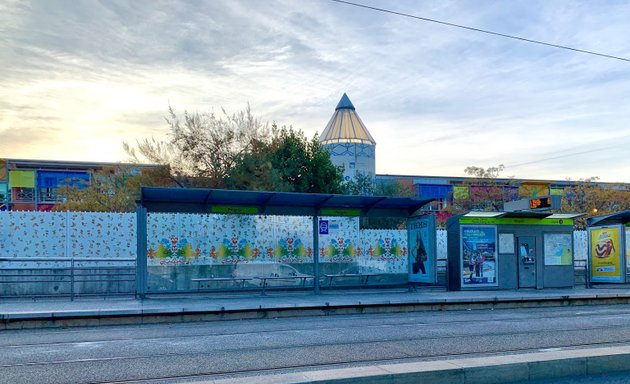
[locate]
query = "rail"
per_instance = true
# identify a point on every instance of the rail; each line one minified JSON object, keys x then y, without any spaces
{"x":66,"y":277}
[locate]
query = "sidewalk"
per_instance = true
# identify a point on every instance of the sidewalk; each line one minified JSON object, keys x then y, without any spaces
{"x":497,"y":369}
{"x":61,"y":312}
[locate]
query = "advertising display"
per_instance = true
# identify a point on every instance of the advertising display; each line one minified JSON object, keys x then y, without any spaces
{"x":606,"y":254}
{"x":421,"y":241}
{"x":479,"y":255}
{"x":627,"y":246}
{"x":558,"y":248}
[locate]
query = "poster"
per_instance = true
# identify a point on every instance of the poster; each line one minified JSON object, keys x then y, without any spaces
{"x":479,"y":255}
{"x":627,"y":247}
{"x":421,"y":241}
{"x":605,"y":254}
{"x":506,"y":243}
{"x":558,"y":248}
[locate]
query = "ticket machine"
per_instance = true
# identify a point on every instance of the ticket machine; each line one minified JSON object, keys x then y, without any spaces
{"x":526,"y":262}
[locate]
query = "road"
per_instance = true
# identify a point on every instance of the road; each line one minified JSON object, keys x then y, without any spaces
{"x":195,"y":351}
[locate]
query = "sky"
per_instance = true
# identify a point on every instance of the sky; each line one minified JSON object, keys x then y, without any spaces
{"x":79,"y":78}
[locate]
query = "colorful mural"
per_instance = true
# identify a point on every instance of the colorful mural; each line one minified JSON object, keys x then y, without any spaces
{"x":109,"y":239}
{"x":174,"y":239}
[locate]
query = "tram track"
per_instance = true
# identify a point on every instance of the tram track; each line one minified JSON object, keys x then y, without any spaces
{"x":217,"y":375}
{"x":188,"y":352}
{"x":271,"y":349}
{"x":313,"y":325}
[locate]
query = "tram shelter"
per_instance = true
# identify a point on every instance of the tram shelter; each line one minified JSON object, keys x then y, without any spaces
{"x":201,"y":204}
{"x":609,"y":247}
{"x":510,"y":250}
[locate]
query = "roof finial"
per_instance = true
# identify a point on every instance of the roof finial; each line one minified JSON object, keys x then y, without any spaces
{"x":344,"y":103}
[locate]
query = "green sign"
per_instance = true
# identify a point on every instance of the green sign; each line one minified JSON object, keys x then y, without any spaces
{"x":234,"y":209}
{"x":340,"y":212}
{"x":513,"y":221}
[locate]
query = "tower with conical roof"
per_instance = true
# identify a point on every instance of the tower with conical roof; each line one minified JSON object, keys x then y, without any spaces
{"x":349,"y":142}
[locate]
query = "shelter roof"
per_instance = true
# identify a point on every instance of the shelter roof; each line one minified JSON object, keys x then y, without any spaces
{"x":345,"y":126}
{"x":193,"y":200}
{"x":622,"y":217}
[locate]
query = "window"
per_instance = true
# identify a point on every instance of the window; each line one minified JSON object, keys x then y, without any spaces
{"x":21,"y":194}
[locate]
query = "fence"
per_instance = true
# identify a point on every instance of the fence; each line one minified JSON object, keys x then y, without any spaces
{"x":83,"y":253}
{"x":67,"y":253}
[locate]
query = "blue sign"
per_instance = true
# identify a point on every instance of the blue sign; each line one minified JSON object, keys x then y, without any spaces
{"x":323,"y":227}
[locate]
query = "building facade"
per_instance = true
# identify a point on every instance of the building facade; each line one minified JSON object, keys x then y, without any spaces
{"x":32,"y":185}
{"x":349,"y":142}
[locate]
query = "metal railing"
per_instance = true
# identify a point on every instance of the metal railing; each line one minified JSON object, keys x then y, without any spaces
{"x":67,"y":277}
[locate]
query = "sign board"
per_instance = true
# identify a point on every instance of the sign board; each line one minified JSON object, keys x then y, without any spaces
{"x":234,"y":209}
{"x":422,"y":249}
{"x":340,"y":212}
{"x":323,"y":227}
{"x":478,"y":254}
{"x":605,"y":254}
{"x":540,"y":203}
{"x":514,"y":221}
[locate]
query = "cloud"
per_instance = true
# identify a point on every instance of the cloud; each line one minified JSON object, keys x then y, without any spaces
{"x":84,"y":77}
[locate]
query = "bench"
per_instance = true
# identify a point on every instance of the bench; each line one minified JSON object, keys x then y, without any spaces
{"x":210,"y":280}
{"x":265,"y":279}
{"x":363,"y":277}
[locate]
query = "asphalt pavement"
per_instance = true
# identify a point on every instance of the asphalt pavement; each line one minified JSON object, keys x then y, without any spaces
{"x":47,"y":313}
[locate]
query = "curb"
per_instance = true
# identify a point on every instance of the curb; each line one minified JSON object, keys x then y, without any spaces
{"x":478,"y":370}
{"x":103,"y":317}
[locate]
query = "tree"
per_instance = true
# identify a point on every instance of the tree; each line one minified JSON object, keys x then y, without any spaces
{"x":203,"y":148}
{"x":112,"y":189}
{"x":365,"y":185}
{"x":239,"y":152}
{"x":487,"y":174}
{"x":482,"y":191}
{"x":594,"y":199}
{"x":288,"y":162}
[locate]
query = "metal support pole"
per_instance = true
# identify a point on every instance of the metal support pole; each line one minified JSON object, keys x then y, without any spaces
{"x":316,"y":253}
{"x":141,"y":256}
{"x":72,"y":279}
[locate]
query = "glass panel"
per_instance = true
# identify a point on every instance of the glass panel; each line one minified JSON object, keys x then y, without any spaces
{"x":349,"y":257}
{"x":189,"y":252}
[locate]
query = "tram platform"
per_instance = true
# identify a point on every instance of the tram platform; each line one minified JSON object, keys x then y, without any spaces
{"x":97,"y":311}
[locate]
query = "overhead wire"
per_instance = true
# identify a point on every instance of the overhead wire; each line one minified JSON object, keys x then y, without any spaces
{"x":481,"y":30}
{"x":500,"y":35}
